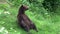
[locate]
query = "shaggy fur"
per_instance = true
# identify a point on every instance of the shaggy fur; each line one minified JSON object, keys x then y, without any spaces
{"x":23,"y":19}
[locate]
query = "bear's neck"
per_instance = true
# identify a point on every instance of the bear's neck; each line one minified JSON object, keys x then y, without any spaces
{"x":21,"y":11}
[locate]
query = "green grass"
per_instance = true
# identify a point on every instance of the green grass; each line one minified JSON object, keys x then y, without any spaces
{"x":48,"y":25}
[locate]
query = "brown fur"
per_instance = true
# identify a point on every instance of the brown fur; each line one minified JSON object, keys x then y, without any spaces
{"x":23,"y":19}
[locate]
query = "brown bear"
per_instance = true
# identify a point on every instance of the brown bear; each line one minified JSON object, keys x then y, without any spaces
{"x":23,"y":19}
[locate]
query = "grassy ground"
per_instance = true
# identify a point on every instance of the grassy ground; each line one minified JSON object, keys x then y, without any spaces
{"x":8,"y":23}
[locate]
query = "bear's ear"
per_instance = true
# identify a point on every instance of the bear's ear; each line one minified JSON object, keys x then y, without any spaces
{"x":22,"y":5}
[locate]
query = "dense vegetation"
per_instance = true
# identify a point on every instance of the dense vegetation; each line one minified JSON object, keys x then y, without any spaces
{"x":44,"y":13}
